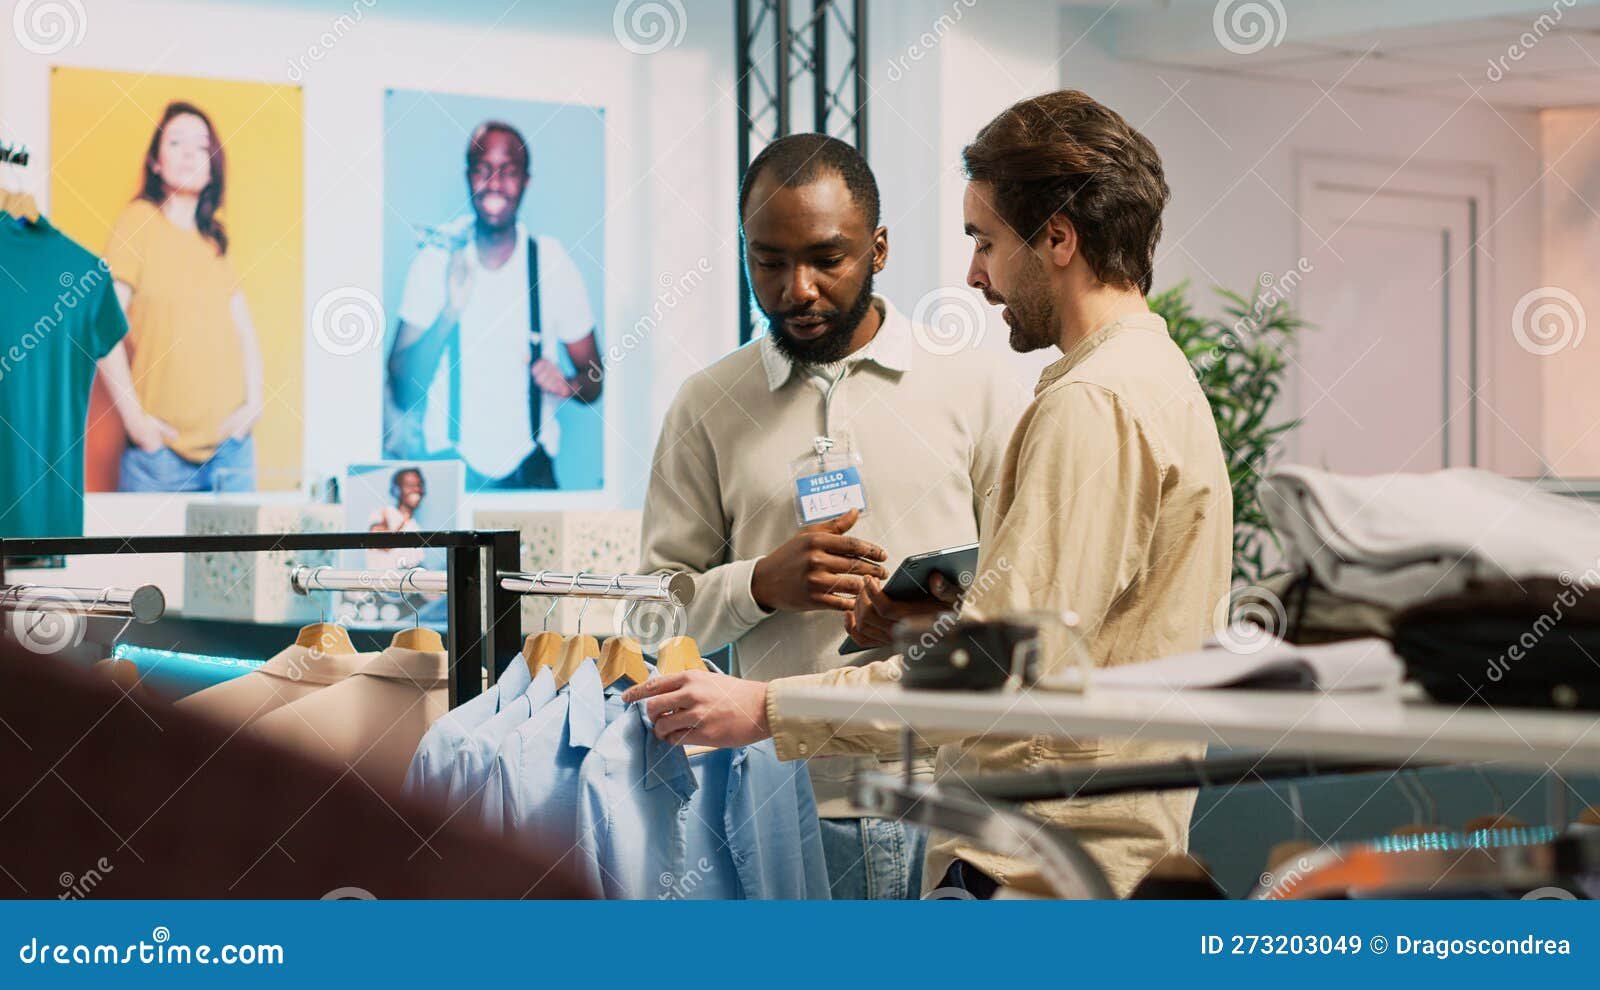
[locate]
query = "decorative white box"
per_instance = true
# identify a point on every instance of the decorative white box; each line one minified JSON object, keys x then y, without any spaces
{"x":597,"y":541}
{"x":254,"y":586}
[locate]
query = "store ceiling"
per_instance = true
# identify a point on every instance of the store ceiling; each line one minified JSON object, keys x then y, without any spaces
{"x":1511,"y":61}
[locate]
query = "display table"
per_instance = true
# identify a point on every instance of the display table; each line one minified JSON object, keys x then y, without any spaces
{"x":1384,"y":725}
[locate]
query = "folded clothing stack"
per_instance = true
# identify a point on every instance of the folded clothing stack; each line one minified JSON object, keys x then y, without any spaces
{"x":1530,"y":643}
{"x":1397,"y":539}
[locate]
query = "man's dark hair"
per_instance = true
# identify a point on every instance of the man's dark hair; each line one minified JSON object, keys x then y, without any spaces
{"x":1065,"y":153}
{"x":801,"y":159}
{"x":483,"y":130}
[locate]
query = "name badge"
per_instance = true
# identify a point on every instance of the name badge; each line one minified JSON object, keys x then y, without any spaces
{"x":827,"y":484}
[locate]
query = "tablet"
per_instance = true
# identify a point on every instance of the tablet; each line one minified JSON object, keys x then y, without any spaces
{"x":910,"y":579}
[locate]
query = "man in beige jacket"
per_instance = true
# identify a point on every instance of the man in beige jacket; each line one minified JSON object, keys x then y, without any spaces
{"x":1113,"y":499}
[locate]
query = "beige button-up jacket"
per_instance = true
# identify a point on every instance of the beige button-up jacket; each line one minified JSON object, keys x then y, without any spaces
{"x":1113,"y":502}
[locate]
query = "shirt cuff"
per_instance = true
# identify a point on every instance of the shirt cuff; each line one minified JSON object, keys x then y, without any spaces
{"x":793,"y":738}
{"x":742,"y":602}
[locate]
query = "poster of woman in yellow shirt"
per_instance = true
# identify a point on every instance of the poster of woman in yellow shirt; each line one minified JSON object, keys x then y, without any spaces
{"x":187,"y":380}
{"x":194,"y":189}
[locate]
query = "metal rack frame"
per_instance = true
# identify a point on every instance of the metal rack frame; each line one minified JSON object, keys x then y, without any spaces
{"x":773,"y":52}
{"x":483,"y":581}
{"x":470,"y":555}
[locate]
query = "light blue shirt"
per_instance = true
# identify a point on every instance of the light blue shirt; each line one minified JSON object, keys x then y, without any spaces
{"x":532,"y":787}
{"x":735,"y":823}
{"x":470,"y":773}
{"x":428,"y":776}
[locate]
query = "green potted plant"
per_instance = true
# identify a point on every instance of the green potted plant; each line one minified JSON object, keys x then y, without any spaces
{"x":1240,"y":361}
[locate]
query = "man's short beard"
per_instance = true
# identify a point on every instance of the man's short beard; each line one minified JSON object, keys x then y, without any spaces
{"x":831,"y":346}
{"x":1032,"y":310}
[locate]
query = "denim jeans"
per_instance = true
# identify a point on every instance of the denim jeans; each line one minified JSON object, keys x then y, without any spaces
{"x":231,"y":468}
{"x":873,"y":858}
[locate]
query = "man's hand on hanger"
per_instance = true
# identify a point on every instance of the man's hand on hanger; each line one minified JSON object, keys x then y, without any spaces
{"x":705,"y":709}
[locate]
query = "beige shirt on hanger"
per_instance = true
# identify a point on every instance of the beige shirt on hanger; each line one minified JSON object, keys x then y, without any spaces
{"x":371,"y":721}
{"x":1114,"y":502}
{"x":286,"y":678}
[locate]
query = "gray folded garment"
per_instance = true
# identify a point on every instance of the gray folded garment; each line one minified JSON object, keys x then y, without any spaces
{"x":1255,"y":662}
{"x":1399,"y":538}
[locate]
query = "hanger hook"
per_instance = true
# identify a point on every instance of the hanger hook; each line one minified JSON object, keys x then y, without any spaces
{"x":616,"y":582}
{"x":411,"y":576}
{"x":538,"y":579}
{"x":576,"y":578}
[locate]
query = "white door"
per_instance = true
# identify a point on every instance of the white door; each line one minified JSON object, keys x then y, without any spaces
{"x":1386,"y":379}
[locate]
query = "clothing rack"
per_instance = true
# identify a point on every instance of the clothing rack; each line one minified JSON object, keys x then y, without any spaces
{"x":475,"y":608}
{"x":144,"y":604}
{"x":673,"y":588}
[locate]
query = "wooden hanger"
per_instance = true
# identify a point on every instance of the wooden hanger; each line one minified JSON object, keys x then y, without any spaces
{"x":622,"y":657}
{"x":678,"y":654}
{"x":328,"y":637}
{"x":418,"y":638}
{"x":20,"y":205}
{"x":415,"y":638}
{"x":579,"y":648}
{"x":14,"y":197}
{"x":543,"y":649}
{"x":1490,"y":822}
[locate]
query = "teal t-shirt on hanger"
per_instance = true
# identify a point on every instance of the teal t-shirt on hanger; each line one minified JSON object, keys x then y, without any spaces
{"x":58,"y":316}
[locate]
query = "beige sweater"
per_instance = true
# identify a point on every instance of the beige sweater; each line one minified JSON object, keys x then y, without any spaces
{"x":1114,"y":502}
{"x":930,"y":428}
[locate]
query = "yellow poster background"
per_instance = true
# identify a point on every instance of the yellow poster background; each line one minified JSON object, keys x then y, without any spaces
{"x":100,"y":127}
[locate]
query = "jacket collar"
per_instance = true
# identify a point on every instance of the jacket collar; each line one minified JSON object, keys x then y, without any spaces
{"x":424,"y":668}
{"x":891,"y":348}
{"x":1088,"y":345}
{"x":298,"y":663}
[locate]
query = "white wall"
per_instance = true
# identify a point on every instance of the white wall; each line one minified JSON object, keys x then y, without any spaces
{"x":1231,"y":148}
{"x":1571,"y":253}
